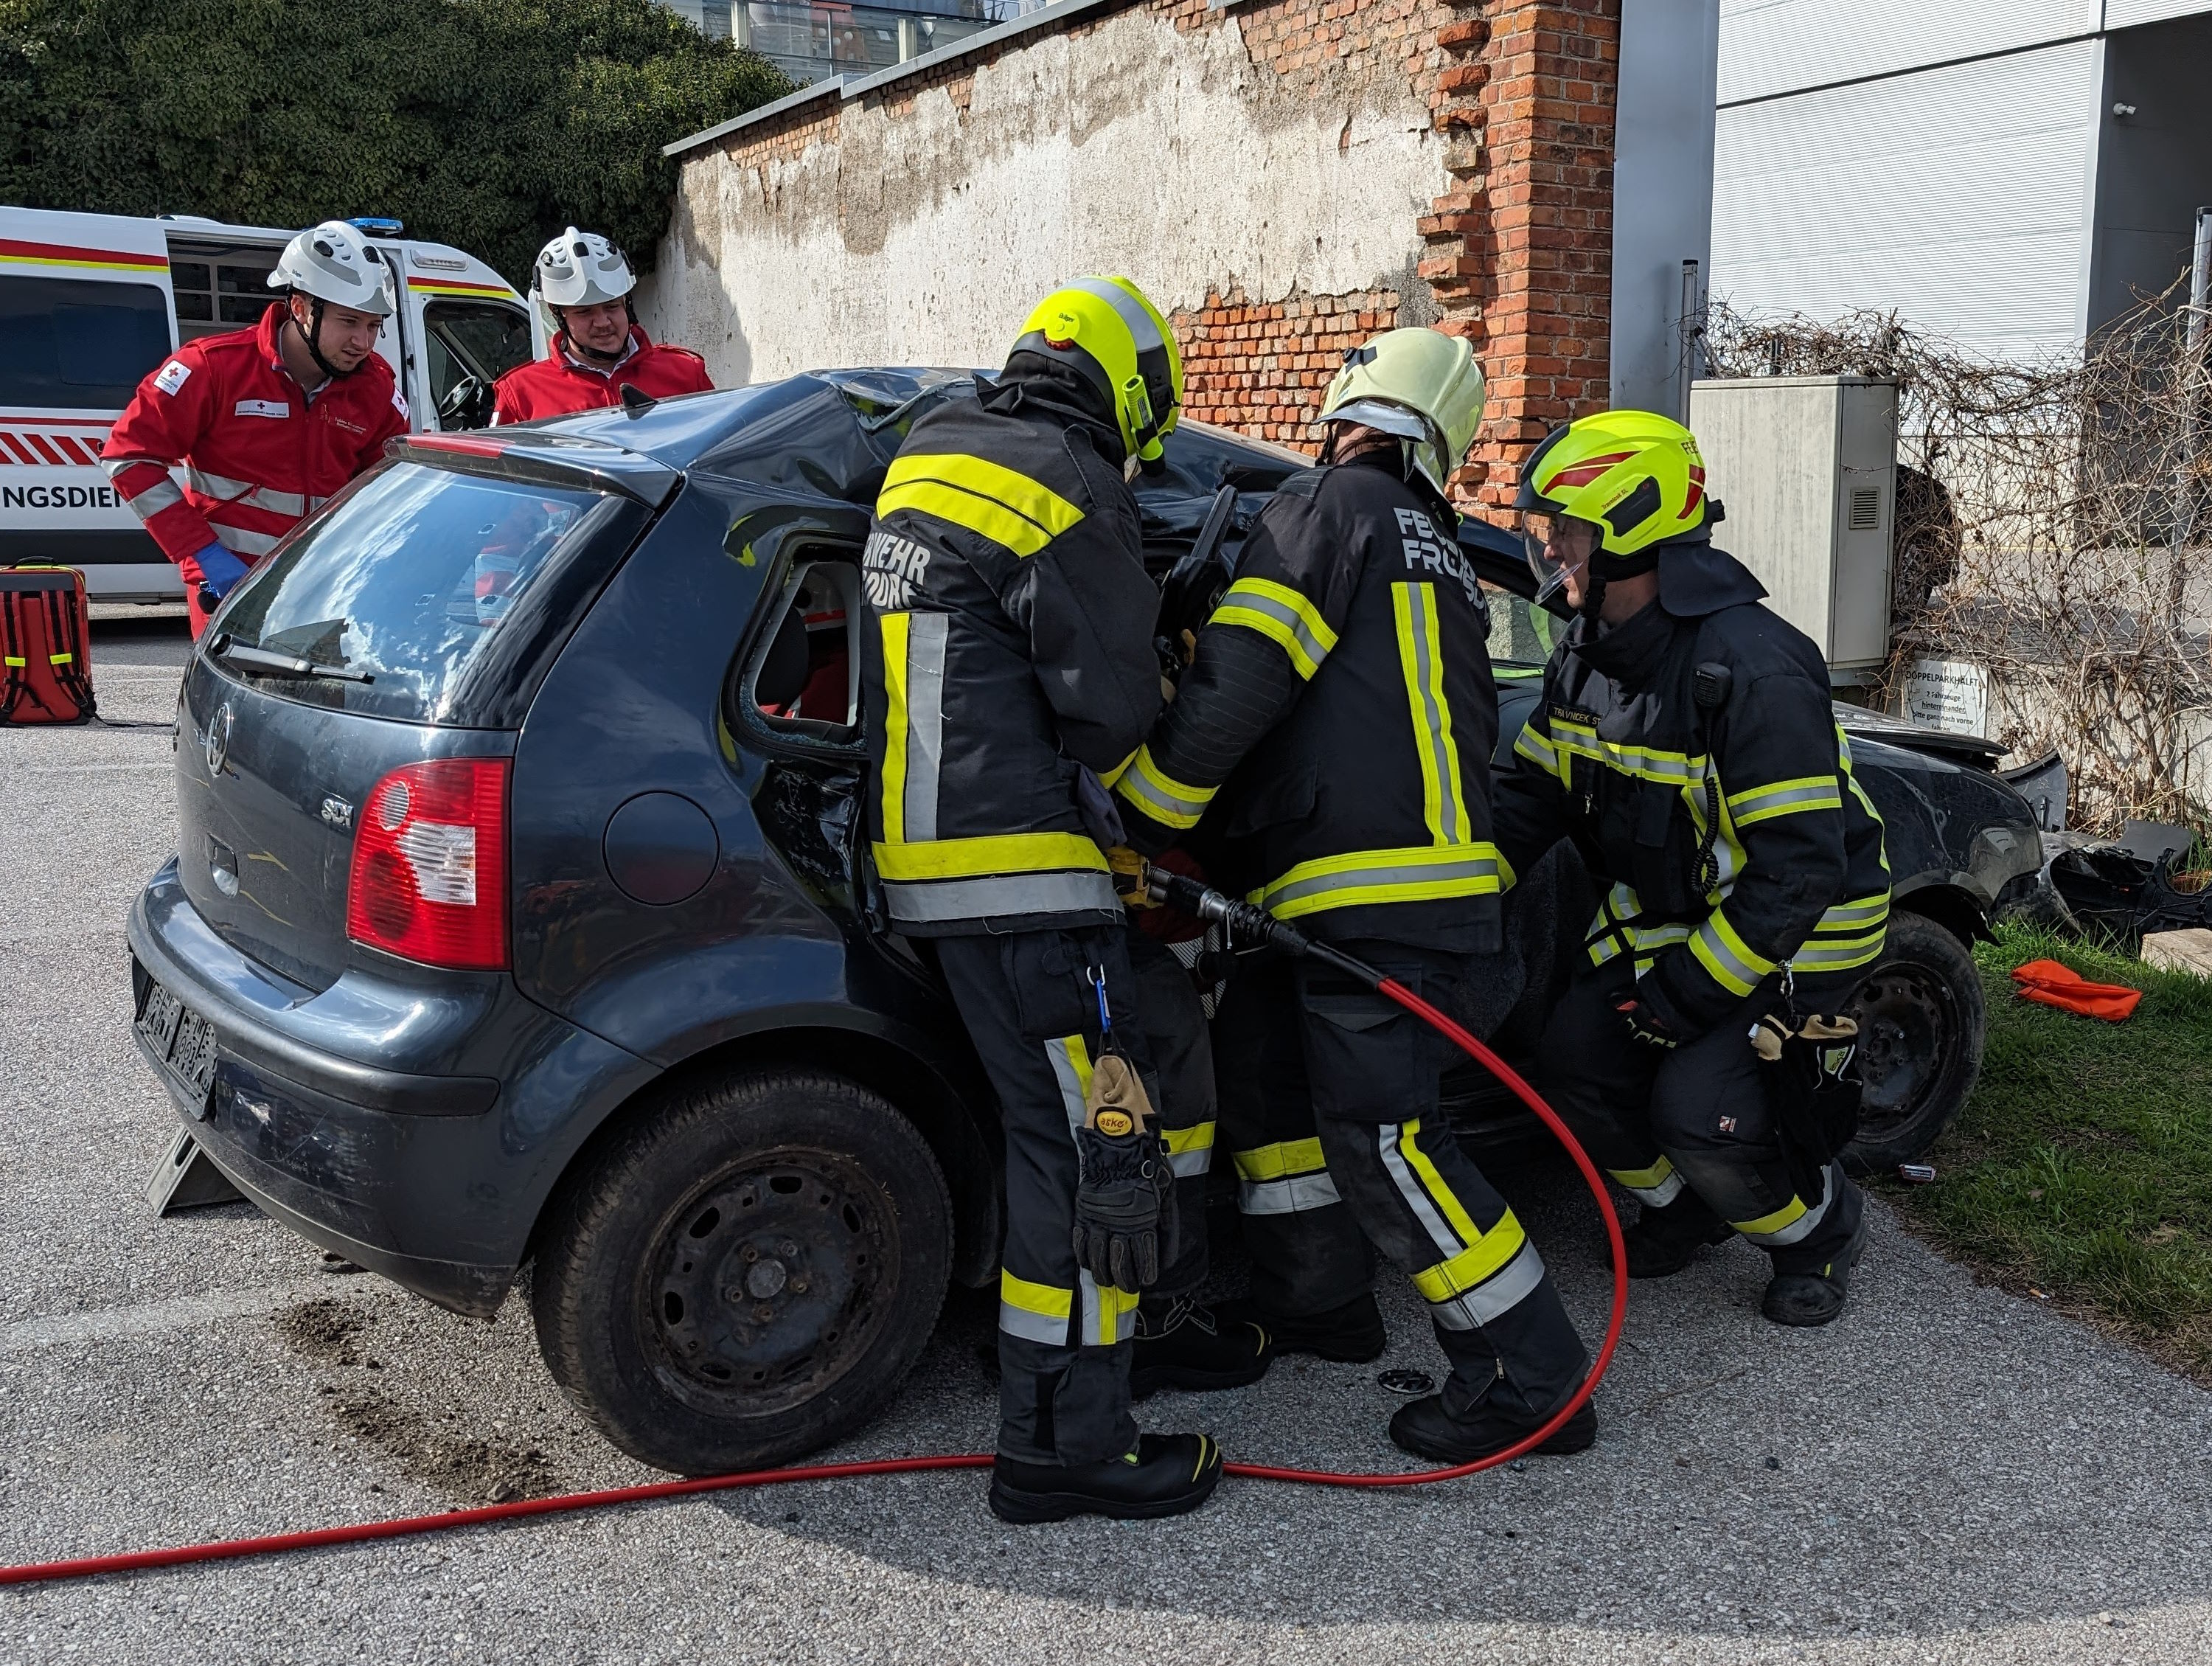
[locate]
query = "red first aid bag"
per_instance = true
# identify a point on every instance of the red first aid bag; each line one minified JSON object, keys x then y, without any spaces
{"x":45,"y":640}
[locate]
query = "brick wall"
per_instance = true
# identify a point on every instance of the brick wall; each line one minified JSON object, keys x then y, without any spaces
{"x":1262,"y":369}
{"x":1519,"y":250}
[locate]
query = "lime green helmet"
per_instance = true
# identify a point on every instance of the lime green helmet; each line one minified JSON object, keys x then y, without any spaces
{"x":1106,"y":329}
{"x":1634,"y":475}
{"x":1422,"y":385}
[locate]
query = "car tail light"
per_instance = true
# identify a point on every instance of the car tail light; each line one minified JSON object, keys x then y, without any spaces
{"x":429,"y":864}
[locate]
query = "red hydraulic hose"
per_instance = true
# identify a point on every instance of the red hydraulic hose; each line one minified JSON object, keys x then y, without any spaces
{"x":226,"y":1549}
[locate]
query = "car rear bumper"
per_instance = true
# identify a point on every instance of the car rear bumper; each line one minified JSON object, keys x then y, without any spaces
{"x":352,"y":1114}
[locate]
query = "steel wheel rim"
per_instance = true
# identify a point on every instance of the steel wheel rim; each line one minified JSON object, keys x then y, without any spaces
{"x":1909,"y":1034}
{"x":768,"y":1282}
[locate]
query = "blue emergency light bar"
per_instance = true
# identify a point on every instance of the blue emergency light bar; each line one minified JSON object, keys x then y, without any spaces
{"x":378,"y":225}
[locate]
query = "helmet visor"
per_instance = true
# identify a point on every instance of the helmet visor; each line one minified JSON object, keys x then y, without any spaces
{"x":1556,"y":545}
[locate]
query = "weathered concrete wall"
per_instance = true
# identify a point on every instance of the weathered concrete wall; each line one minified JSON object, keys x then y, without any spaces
{"x":1286,"y":177}
{"x":920,"y":229}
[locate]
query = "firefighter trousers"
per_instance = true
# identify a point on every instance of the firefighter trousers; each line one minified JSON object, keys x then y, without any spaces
{"x":1329,"y":1108}
{"x":1030,"y":1002}
{"x":1708,"y":1118}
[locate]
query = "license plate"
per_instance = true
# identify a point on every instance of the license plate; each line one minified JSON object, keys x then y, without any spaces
{"x":182,"y":1040}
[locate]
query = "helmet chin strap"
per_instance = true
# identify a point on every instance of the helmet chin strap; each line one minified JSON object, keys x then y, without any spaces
{"x":608,"y":360}
{"x":312,"y":336}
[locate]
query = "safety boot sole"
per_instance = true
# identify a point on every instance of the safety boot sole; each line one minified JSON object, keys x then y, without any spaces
{"x":1422,"y":1429}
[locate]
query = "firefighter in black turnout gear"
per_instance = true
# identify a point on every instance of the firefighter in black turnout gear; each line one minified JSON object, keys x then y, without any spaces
{"x":1686,"y":744}
{"x":1333,"y":732}
{"x":1008,"y":675}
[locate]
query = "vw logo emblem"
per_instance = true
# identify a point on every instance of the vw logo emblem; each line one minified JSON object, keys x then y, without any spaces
{"x":218,"y":740}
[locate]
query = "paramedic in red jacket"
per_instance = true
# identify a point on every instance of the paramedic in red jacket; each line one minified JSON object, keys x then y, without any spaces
{"x":581,"y":283}
{"x":269,"y":423}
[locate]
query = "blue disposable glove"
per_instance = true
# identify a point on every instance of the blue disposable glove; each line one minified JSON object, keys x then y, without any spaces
{"x":219,"y":570}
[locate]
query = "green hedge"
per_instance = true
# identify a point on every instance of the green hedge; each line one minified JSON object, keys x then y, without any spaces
{"x":485,"y":123}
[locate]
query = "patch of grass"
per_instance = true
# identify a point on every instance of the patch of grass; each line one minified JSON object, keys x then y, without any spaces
{"x":2082,"y":1166}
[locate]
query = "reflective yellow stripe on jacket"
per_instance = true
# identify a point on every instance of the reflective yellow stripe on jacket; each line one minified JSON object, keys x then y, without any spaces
{"x":988,"y":498}
{"x":1420,"y":656}
{"x":1419,"y":873}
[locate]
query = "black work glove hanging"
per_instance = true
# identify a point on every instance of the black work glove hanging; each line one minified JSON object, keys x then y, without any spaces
{"x":1124,"y":1203}
{"x":1125,"y":1223}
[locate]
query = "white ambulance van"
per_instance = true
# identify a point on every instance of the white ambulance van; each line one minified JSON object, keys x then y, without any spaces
{"x":91,"y":302}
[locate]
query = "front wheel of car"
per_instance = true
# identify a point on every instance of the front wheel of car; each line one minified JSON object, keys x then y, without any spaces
{"x":1922,"y":1025}
{"x":746,"y":1273}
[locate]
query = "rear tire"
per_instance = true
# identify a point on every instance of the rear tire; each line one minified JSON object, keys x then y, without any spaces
{"x":1922,"y":1023}
{"x":746,"y":1273}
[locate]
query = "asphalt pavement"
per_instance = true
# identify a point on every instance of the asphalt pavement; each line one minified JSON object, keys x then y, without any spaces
{"x":1947,"y":1475}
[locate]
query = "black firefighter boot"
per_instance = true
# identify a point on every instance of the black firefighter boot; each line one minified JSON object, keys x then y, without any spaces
{"x":1181,"y":1344}
{"x":1663,"y":1240}
{"x":1351,"y":1335}
{"x":1809,"y":1286}
{"x":1164,"y":1476}
{"x":1425,"y":1428}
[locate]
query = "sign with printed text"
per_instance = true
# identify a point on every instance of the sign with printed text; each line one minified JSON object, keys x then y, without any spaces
{"x":1951,"y":695}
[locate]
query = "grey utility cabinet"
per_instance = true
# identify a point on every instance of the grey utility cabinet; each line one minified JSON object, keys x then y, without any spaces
{"x":1807,"y":468}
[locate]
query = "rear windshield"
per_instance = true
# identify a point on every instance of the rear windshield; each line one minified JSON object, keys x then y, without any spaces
{"x":442,"y":588}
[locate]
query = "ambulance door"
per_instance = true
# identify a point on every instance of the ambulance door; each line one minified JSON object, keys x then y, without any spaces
{"x":465,"y":329}
{"x":86,"y":312}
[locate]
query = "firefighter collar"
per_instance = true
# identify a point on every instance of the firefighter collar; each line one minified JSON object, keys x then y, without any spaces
{"x":1696,"y":578}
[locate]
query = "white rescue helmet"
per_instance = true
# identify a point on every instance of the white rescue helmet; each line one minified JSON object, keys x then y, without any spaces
{"x":333,"y":263}
{"x":579,"y":268}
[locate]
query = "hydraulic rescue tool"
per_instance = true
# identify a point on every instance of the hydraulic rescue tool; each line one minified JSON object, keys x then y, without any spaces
{"x":1240,"y":922}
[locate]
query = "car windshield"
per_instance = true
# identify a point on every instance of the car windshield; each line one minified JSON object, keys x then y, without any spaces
{"x":406,"y":582}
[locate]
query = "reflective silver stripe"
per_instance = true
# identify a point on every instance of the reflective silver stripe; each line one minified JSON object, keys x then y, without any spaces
{"x":1730,"y":969}
{"x":1801,"y":1228}
{"x":1513,"y":1283}
{"x":1758,"y":804}
{"x":1105,"y":1310}
{"x":1828,"y":954}
{"x":113,"y":466}
{"x":1032,"y":1326}
{"x":1420,"y":614}
{"x":1537,"y":748}
{"x":243,"y":542}
{"x":925,"y":721}
{"x":1186,"y":1163}
{"x":1661,"y":1183}
{"x":1470,"y":867}
{"x":1253,"y":601}
{"x":1000,"y":896}
{"x":1150,"y":787}
{"x":1449,"y":1242}
{"x":215,"y":485}
{"x":246,"y":492}
{"x":1142,"y":329}
{"x":1064,"y":1071}
{"x":161,"y":494}
{"x":1290,"y":1195}
{"x":1844,"y":915}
